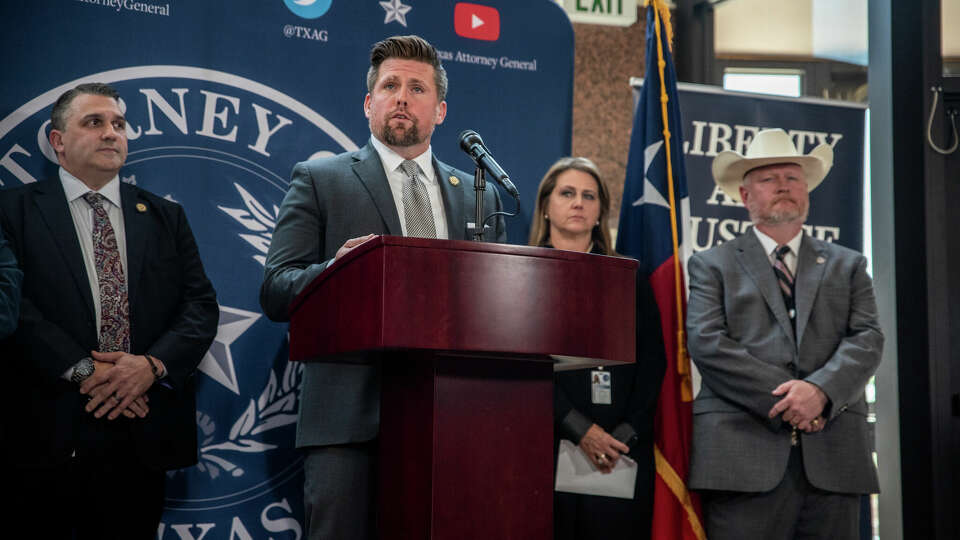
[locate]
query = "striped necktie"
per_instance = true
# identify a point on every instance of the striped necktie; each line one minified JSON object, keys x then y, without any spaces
{"x":114,"y":307}
{"x":785,"y":280}
{"x":417,"y":212}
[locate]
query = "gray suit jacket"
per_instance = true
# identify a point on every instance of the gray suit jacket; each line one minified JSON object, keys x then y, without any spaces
{"x":741,"y":339}
{"x":330,"y":201}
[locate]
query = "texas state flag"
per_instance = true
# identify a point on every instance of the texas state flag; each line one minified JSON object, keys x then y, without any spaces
{"x":654,"y":228}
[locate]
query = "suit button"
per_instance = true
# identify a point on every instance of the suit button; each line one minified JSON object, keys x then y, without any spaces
{"x":792,"y":366}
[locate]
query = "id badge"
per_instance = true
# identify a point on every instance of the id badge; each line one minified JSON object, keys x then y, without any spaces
{"x":601,"y":392}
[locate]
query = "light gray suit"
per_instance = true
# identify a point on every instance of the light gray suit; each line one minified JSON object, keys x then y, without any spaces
{"x":742,"y":341}
{"x":330,"y":201}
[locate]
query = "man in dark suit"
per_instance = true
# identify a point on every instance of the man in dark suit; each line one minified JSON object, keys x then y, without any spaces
{"x":10,"y":279}
{"x":116,"y":314}
{"x":393,"y":185}
{"x":784,"y":331}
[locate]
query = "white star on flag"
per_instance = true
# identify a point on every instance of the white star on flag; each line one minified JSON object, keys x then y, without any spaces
{"x":396,"y":11}
{"x":218,"y":362}
{"x":650,"y":193}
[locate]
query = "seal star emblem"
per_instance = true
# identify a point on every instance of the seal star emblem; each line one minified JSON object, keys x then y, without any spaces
{"x":218,"y":362}
{"x":650,"y":193}
{"x":396,"y":11}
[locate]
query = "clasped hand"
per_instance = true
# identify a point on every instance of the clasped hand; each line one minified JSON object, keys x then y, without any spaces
{"x":802,"y":405}
{"x":118,"y":385}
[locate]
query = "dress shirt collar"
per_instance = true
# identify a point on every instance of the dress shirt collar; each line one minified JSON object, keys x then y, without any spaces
{"x":392,"y":160}
{"x":74,"y":188}
{"x":769,"y":244}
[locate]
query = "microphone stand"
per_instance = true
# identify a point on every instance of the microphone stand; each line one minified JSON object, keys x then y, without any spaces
{"x":479,"y":186}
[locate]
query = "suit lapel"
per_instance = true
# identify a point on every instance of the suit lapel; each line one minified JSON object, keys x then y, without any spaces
{"x":453,"y":200}
{"x":810,"y":268}
{"x":135,"y":223}
{"x":369,"y":169}
{"x":52,"y":204}
{"x":755,"y":262}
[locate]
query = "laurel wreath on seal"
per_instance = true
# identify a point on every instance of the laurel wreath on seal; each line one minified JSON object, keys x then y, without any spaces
{"x":257,"y":219}
{"x":276,"y":407}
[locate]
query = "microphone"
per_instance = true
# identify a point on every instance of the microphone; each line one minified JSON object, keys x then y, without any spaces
{"x":472,"y":144}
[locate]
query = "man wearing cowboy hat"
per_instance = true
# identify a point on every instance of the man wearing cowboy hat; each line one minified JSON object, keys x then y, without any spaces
{"x":784,"y":331}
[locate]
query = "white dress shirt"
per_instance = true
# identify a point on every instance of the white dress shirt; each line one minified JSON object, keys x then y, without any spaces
{"x":770,"y":245}
{"x":395,"y":177}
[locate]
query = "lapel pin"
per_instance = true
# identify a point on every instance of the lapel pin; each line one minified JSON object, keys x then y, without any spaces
{"x":821,"y":260}
{"x":454,"y":181}
{"x":141,"y":207}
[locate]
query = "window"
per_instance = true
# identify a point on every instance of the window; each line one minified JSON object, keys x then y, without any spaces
{"x":780,"y":82}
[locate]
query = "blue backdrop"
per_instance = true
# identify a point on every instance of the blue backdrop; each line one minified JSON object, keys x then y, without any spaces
{"x":222,"y":98}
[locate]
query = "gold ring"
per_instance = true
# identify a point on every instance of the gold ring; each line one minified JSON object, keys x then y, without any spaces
{"x":602,"y":457}
{"x":814,"y":422}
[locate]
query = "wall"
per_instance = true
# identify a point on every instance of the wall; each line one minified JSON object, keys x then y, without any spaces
{"x":606,"y":57}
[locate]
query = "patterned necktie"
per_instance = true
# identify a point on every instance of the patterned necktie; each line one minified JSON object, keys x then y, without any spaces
{"x":114,"y":308}
{"x":417,"y":212}
{"x":785,"y":280}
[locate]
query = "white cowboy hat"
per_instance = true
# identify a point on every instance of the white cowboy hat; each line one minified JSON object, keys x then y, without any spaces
{"x":769,"y":147}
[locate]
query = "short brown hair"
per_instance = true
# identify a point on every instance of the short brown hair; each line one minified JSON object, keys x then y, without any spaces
{"x":58,"y":116}
{"x":540,"y":229}
{"x":409,"y":48}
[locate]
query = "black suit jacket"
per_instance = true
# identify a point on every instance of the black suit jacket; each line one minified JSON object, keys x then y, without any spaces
{"x":10,"y":278}
{"x":173,"y":316}
{"x":634,"y":388}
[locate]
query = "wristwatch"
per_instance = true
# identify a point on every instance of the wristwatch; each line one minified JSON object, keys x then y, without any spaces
{"x":82,"y":370}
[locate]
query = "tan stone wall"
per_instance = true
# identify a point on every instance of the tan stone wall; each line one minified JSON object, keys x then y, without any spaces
{"x":605,"y":59}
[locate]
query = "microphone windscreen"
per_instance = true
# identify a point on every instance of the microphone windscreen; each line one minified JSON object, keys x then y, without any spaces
{"x":469,"y":138}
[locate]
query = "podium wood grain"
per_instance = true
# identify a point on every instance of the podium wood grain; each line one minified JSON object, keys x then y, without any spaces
{"x":466,"y":335}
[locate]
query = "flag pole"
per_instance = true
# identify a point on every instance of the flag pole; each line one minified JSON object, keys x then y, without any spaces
{"x":683,"y":360}
{"x":665,"y":469}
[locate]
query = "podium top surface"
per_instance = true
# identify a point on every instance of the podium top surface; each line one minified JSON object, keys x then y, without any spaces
{"x":395,"y":293}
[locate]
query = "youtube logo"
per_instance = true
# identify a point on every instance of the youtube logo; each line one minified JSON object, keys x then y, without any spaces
{"x":476,"y":22}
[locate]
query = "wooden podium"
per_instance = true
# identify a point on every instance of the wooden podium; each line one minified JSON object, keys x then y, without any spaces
{"x":469,"y":335}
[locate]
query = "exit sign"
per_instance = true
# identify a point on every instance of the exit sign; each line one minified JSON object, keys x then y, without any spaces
{"x":611,"y":12}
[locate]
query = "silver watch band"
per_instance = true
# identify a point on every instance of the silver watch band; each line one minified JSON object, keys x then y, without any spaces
{"x":81,"y":370}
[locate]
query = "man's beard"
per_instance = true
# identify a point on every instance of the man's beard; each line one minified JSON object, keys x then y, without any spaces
{"x":408,"y":137}
{"x":779,"y":217}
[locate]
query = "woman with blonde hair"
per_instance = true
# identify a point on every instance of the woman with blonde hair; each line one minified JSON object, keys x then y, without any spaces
{"x":568,"y":231}
{"x":571,"y":213}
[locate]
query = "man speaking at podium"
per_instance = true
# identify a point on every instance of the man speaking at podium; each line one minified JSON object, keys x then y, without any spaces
{"x":392,"y":186}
